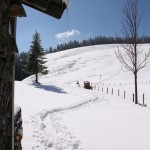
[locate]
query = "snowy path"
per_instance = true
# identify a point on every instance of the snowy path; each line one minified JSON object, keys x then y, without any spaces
{"x":75,"y":106}
{"x":105,"y":122}
{"x":49,"y":131}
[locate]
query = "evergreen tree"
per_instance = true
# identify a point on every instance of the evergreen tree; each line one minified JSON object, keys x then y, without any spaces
{"x":35,"y":60}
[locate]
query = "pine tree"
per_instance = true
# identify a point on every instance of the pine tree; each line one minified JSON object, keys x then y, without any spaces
{"x":35,"y":60}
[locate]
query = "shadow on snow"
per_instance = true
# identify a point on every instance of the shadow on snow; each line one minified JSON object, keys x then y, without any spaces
{"x":51,"y":88}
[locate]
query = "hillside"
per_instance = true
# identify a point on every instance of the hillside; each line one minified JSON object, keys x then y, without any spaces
{"x":59,"y":114}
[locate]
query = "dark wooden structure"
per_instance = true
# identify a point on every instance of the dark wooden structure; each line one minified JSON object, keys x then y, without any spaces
{"x":18,"y":129}
{"x":87,"y":85}
{"x":53,"y":8}
{"x":8,"y":48}
{"x":9,"y":11}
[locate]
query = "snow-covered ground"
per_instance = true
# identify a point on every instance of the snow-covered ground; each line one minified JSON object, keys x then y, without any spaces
{"x":58,"y":114}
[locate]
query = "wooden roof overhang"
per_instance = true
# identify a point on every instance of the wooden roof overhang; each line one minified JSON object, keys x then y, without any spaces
{"x":54,"y":8}
{"x":16,"y":9}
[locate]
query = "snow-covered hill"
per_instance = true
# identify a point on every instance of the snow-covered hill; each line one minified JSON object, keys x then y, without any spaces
{"x":58,"y":114}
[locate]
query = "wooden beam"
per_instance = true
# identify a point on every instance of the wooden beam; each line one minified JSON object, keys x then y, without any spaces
{"x":17,"y":10}
{"x":54,"y":8}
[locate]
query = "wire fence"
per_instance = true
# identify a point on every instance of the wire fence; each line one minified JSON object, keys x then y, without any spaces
{"x":122,"y":83}
{"x":116,"y":89}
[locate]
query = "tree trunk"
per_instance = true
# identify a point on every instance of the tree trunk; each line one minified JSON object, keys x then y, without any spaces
{"x":136,"y":89}
{"x":135,"y":72}
{"x":36,"y":77}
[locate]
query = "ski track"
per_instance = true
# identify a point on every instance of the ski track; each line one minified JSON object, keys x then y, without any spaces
{"x":50,"y":131}
{"x":75,"y":106}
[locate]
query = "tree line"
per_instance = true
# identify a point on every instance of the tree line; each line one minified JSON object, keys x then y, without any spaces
{"x":21,"y":59}
{"x":98,"y":40}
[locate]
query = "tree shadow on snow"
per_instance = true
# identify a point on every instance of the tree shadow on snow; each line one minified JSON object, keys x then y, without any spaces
{"x":51,"y":88}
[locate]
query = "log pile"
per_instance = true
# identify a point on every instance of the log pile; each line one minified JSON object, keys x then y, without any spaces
{"x":18,"y":129}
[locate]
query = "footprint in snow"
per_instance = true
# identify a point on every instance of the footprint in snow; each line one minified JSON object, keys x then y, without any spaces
{"x":75,"y":145}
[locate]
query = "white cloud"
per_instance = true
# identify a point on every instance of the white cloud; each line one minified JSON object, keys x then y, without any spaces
{"x":67,"y":34}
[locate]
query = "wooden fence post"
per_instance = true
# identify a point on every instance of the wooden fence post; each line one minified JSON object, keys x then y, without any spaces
{"x":107,"y":90}
{"x":118,"y":92}
{"x":133,"y":97}
{"x":143,"y":100}
{"x":124,"y":94}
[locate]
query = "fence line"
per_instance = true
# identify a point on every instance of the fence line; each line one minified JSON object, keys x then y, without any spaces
{"x":122,"y":83}
{"x":128,"y":96}
{"x":124,"y":95}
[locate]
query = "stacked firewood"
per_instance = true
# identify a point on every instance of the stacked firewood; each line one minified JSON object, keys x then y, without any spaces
{"x":18,"y":130}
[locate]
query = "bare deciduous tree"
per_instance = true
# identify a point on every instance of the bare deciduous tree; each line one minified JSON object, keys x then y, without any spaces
{"x":130,"y":54}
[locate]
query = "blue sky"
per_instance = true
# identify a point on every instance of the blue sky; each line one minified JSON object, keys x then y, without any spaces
{"x":83,"y":19}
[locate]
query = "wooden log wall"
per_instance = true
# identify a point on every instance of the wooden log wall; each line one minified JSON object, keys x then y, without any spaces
{"x":7,"y":57}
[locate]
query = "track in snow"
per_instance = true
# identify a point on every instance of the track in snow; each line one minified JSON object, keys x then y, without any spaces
{"x":50,"y":131}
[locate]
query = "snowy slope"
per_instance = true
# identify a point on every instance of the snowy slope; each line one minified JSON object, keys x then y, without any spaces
{"x":60,"y":115}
